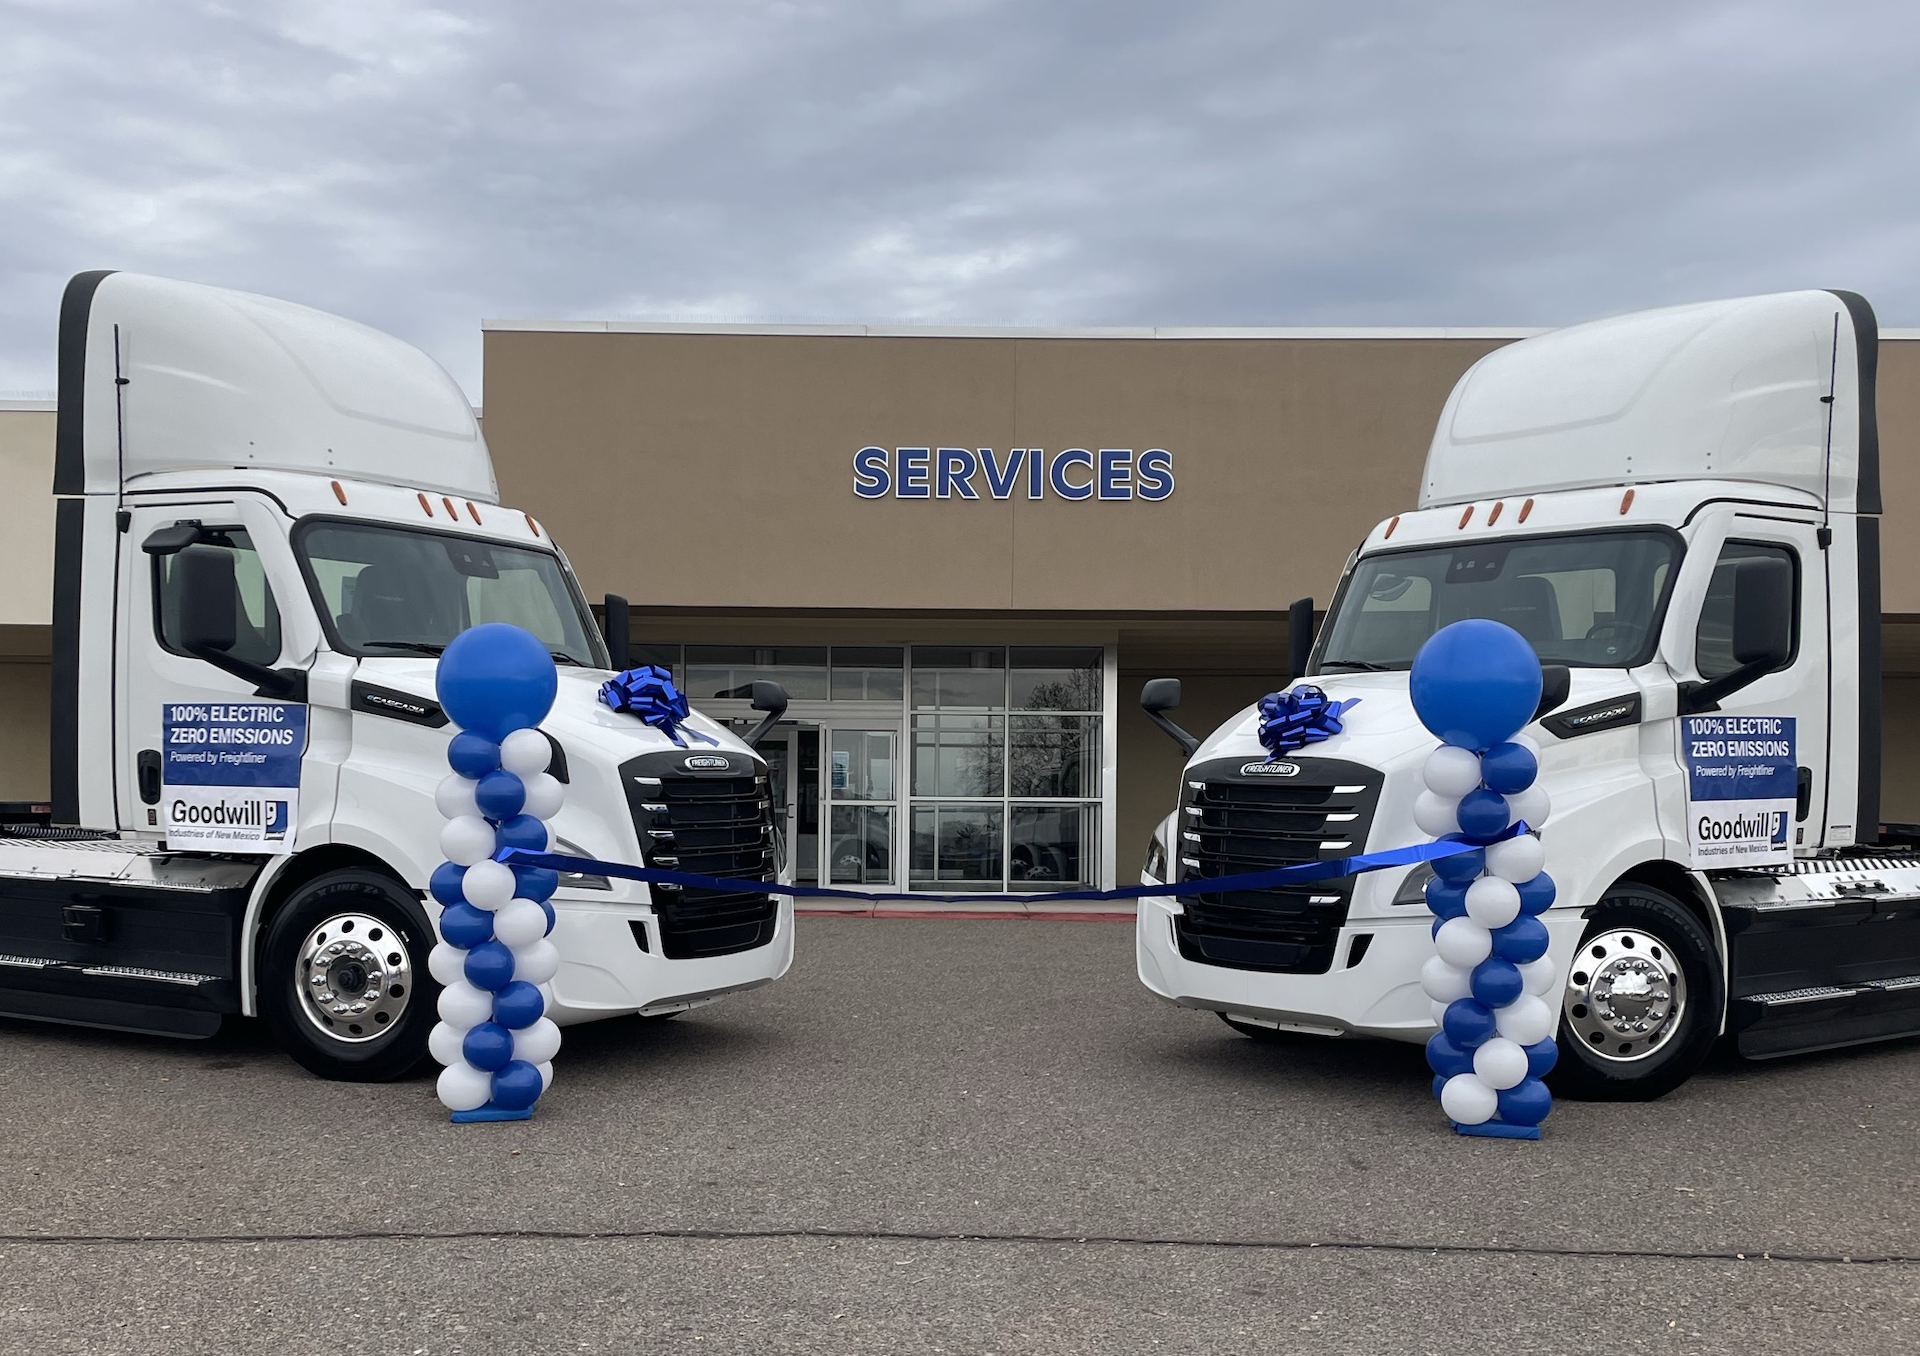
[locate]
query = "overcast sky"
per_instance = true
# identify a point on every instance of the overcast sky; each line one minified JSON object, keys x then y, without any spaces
{"x":1034,"y":162}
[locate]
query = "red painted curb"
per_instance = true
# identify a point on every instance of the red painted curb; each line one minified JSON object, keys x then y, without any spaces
{"x":994,"y":915}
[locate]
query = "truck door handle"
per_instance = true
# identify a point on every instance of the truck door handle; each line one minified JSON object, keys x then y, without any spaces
{"x":149,"y":765}
{"x":1802,"y":794}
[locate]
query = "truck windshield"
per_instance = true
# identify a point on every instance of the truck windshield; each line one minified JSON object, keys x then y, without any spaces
{"x":393,"y":590}
{"x":1591,"y":601}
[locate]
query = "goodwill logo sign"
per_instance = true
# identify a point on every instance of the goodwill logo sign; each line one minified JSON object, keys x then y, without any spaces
{"x":1742,"y":782}
{"x":230,"y":774}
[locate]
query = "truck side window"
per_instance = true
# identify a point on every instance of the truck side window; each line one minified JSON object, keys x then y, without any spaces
{"x":256,"y":621}
{"x":1713,"y":640}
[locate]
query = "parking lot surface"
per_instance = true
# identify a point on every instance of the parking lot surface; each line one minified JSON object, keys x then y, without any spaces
{"x":964,"y":1136}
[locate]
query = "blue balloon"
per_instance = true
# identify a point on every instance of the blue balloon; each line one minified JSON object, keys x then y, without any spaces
{"x":535,"y":882}
{"x":1445,"y":1058}
{"x":472,"y":755}
{"x":1475,"y":683}
{"x":1522,"y":940}
{"x":1446,"y":899}
{"x":1463,"y":869}
{"x":1483,"y":814}
{"x":1508,"y":768}
{"x":522,"y":831}
{"x":1536,"y":895}
{"x":488,"y":1046}
{"x":448,"y":883}
{"x":518,"y":1005}
{"x":551,"y":918}
{"x":465,"y":926}
{"x":517,"y":1086}
{"x":1439,"y":1083}
{"x":495,"y":679}
{"x":500,"y":795}
{"x":1467,"y":1023}
{"x":1527,"y":1103}
{"x":490,"y":966}
{"x":1541,"y":1057}
{"x":1497,"y":982}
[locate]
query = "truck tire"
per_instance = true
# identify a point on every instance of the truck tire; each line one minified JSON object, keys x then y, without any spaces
{"x":343,"y":980}
{"x":1642,"y":1003}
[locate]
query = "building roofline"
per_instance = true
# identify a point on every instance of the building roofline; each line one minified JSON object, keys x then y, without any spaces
{"x":29,"y":406}
{"x":1016,"y":332}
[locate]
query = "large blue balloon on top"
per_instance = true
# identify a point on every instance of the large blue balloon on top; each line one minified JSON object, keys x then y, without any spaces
{"x":1475,"y":683}
{"x":495,"y":679}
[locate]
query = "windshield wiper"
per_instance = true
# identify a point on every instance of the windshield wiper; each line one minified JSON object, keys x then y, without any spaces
{"x":410,"y":646}
{"x":562,"y":657}
{"x":1357,"y":665}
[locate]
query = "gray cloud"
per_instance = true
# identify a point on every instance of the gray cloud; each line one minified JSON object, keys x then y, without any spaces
{"x":962,"y":161}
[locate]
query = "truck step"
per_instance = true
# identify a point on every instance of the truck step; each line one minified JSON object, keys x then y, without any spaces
{"x":1822,"y":1016}
{"x":116,"y":997}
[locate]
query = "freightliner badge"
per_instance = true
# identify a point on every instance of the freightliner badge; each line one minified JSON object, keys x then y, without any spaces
{"x":1742,"y":782}
{"x":230,"y":774}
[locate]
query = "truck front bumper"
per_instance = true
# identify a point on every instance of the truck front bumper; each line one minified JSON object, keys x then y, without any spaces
{"x":605,"y":973}
{"x":1379,"y":995}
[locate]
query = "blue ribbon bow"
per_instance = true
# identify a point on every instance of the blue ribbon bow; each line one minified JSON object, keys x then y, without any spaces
{"x":1302,"y":716}
{"x":648,"y":692}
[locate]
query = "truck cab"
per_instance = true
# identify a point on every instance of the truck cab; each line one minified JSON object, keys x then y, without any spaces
{"x":1680,"y":511}
{"x":269,"y":523}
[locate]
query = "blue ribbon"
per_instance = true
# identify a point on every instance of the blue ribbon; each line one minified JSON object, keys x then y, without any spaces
{"x":1335,"y":869}
{"x":1298,"y":717}
{"x":648,"y":692}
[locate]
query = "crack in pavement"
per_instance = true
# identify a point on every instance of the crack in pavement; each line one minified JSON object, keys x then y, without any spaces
{"x":912,"y":1236}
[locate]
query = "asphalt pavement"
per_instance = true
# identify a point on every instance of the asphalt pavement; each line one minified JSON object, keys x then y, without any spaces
{"x":940,"y":1135}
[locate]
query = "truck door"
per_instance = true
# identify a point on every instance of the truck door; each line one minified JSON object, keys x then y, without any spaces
{"x":201,"y":758}
{"x":1797,"y":689}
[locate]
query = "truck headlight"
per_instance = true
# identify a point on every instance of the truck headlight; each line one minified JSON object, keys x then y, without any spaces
{"x":1156,"y":867}
{"x":577,"y":880}
{"x":1413,"y":890}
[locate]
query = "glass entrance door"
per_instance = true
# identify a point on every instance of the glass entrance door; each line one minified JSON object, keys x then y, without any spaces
{"x":843,"y":779}
{"x":792,"y":752}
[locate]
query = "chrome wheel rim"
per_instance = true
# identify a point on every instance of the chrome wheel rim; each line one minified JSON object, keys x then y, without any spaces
{"x":354,"y":978}
{"x":1626,"y":995}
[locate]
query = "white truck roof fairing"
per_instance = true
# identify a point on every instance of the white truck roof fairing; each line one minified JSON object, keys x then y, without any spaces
{"x":1723,"y":390}
{"x":158,"y":375}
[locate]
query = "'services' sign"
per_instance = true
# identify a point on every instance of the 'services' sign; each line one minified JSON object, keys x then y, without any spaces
{"x":1742,"y":781}
{"x":1023,"y":472}
{"x":230,"y":774}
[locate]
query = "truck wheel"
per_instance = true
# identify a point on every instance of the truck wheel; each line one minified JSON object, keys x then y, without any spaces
{"x":1642,"y":1003}
{"x":343,"y":977}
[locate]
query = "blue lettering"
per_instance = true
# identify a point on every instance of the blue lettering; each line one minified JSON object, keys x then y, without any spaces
{"x":1155,"y":473}
{"x":1057,"y":474}
{"x":913,"y":473}
{"x":1000,"y":479}
{"x":1116,"y":468}
{"x":952,"y":458}
{"x":1036,"y":472}
{"x":870,"y":478}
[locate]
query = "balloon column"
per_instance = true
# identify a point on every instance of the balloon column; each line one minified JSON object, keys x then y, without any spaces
{"x":497,"y":682}
{"x":1474,"y":685}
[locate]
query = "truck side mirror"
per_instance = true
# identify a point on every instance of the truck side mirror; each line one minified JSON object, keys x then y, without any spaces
{"x":1762,"y":631}
{"x":1556,"y":684}
{"x":771,"y":698}
{"x":1160,"y":696}
{"x":1299,"y":636}
{"x":614,"y":626}
{"x":209,"y":612}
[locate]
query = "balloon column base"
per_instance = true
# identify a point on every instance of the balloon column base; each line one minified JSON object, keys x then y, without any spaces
{"x":491,"y":1113}
{"x":1497,"y":1130}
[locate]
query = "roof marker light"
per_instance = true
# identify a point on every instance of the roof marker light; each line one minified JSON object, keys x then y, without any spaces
{"x":339,"y":493}
{"x":1466,"y":515}
{"x":474,"y":512}
{"x":1525,"y":509}
{"x":1494,"y":517}
{"x":1626,"y":501}
{"x":425,"y":507}
{"x":452,"y":512}
{"x":1390,"y":526}
{"x":532,"y":526}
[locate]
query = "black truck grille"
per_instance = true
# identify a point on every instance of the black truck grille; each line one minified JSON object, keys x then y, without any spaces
{"x":1233,"y":821}
{"x":714,"y":822}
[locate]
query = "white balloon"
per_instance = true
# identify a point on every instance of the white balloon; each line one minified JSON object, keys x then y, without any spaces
{"x":1492,"y":902}
{"x":1529,"y":743}
{"x":487,"y":884}
{"x":444,"y":1043}
{"x":1499,"y":1063}
{"x":544,"y":795}
{"x":1539,"y":975}
{"x":454,"y":796}
{"x":1463,"y":942}
{"x":537,"y":1044}
{"x":447,"y":963}
{"x":463,"y":1087}
{"x":537,"y":962}
{"x":1450,"y":773}
{"x":546,"y":1076}
{"x":1467,"y":1100}
{"x":1436,"y":815}
{"x":1444,"y":983}
{"x":1439,"y":1011}
{"x":1527,"y":1020}
{"x":525,"y":752}
{"x":1516,"y":859}
{"x":519,"y":922}
{"x":466,"y":840}
{"x":463,"y":1004}
{"x":1532,"y":805}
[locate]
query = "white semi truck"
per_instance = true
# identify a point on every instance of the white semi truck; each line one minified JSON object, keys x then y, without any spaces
{"x":1679,"y":509}
{"x":269,"y":523}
